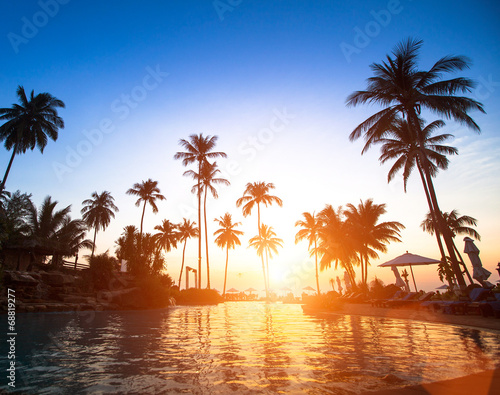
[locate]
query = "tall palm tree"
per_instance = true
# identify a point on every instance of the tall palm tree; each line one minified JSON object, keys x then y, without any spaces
{"x":227,"y":237}
{"x":186,"y":230}
{"x":257,"y":193}
{"x":369,"y":235}
{"x":198,"y":150}
{"x":29,"y":124}
{"x":335,"y":242}
{"x":401,"y":146}
{"x":310,"y":232}
{"x":168,"y":236}
{"x":266,"y":243}
{"x":401,"y":88}
{"x":98,"y":211}
{"x":148,"y":192}
{"x":206,"y":179}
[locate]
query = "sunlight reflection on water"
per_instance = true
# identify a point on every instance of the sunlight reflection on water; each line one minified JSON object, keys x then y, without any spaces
{"x":241,"y":347}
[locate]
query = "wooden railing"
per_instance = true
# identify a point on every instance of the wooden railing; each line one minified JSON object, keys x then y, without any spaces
{"x":71,"y":265}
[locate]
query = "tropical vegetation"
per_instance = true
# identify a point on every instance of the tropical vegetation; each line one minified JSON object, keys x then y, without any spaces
{"x":402,"y":89}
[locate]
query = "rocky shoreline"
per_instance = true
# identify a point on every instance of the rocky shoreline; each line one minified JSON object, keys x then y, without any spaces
{"x":58,"y":291}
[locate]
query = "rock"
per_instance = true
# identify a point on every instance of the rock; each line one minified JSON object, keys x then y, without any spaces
{"x":57,"y":279}
{"x":20,"y":279}
{"x":392,"y":378}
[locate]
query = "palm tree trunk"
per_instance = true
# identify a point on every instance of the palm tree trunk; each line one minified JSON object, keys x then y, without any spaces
{"x":182,"y":266}
{"x":445,"y":232}
{"x":267,"y":269}
{"x":14,"y":150}
{"x":206,"y":236}
{"x":199,"y":227}
{"x":225,"y":271}
{"x":361,"y":263}
{"x":266,"y":281}
{"x":93,"y":245}
{"x":316,"y":261}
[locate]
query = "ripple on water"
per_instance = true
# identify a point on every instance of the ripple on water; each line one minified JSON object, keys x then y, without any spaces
{"x":240,"y":347}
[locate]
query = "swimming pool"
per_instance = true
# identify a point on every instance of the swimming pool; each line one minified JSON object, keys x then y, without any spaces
{"x":238,"y":347}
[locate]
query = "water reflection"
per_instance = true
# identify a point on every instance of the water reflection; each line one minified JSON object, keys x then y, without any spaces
{"x":238,"y":347}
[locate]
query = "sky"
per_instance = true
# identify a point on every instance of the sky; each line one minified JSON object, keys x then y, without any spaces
{"x":270,"y":79}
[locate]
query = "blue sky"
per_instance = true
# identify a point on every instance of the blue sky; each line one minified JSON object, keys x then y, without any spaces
{"x":149,"y":73}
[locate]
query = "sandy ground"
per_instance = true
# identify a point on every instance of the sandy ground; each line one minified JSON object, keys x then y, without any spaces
{"x":484,"y":383}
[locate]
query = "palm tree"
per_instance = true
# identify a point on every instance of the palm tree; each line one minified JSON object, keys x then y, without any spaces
{"x":402,"y":88}
{"x":55,"y":231}
{"x":29,"y":124}
{"x":335,"y":242}
{"x":369,"y":235}
{"x":457,"y":223}
{"x":256,"y":193}
{"x":186,"y":230}
{"x":198,"y":150}
{"x":98,"y":211}
{"x":167,"y":236}
{"x":227,"y":237}
{"x":148,"y":192}
{"x":206,"y":179}
{"x":400,"y":145}
{"x":266,"y":243}
{"x":310,"y":230}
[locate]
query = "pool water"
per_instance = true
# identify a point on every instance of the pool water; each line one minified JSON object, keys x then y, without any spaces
{"x":237,"y":347}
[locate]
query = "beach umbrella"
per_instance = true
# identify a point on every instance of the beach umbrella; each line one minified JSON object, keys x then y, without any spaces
{"x":408,"y":259}
{"x":250,"y":290}
{"x":478,"y":272}
{"x":444,"y":286}
{"x":399,"y":281}
{"x":286,"y":289}
{"x":308,"y":288}
{"x":232,"y":290}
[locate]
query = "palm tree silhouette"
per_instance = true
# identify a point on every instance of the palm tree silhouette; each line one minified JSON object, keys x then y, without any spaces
{"x":457,"y":225}
{"x":266,"y":243}
{"x":29,"y":124}
{"x":148,"y":192}
{"x":369,"y":235}
{"x":198,"y":150}
{"x":256,"y":193}
{"x":206,"y":179}
{"x":310,"y":232}
{"x":98,"y":211}
{"x":402,"y":88}
{"x":55,"y":230}
{"x":168,"y":235}
{"x":335,"y":242}
{"x":186,"y":230}
{"x":401,"y":146}
{"x":227,"y":237}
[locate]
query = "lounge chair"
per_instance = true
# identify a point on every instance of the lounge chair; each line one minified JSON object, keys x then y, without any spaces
{"x":467,"y":304}
{"x":380,"y":302}
{"x":410,"y":296}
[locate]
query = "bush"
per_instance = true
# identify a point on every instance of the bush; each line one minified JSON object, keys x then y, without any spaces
{"x":156,"y":290}
{"x":193,"y":296}
{"x":100,"y":271}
